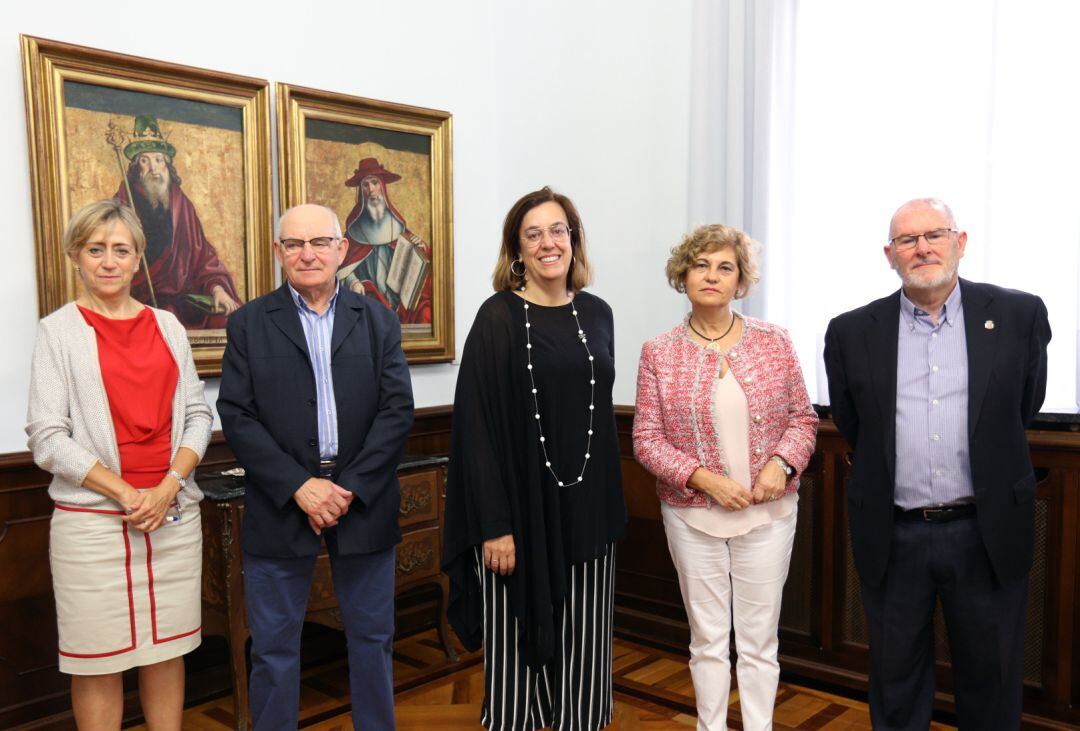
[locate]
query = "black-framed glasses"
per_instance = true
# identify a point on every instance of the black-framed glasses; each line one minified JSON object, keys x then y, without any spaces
{"x":936,"y":237}
{"x":533,"y":235}
{"x":319,"y":244}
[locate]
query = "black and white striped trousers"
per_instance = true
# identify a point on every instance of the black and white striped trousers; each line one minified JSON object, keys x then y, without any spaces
{"x":573,"y":690}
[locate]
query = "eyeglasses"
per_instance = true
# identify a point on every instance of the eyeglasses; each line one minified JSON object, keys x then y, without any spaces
{"x":559,"y":232}
{"x":319,"y":244}
{"x":935,"y":238}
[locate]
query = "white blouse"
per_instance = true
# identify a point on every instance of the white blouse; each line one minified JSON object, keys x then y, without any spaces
{"x":731,"y":417}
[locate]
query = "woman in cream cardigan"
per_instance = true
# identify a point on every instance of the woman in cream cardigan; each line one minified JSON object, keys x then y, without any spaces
{"x":724,"y":422}
{"x":117,"y":415}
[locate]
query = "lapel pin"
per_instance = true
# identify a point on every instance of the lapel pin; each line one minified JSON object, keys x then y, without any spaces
{"x":989,"y":324}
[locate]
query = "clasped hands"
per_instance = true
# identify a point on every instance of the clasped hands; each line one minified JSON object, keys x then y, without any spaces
{"x":729,"y":494}
{"x":324,"y":502}
{"x":145,"y":509}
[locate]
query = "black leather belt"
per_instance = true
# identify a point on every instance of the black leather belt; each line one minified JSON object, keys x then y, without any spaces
{"x":327,"y":467}
{"x":943,"y":514}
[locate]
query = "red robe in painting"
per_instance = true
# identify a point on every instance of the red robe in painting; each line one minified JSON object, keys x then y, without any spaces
{"x":360,"y":250}
{"x":188,"y":265}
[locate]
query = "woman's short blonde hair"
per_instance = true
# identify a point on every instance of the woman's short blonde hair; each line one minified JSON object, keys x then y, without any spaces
{"x":578,"y":276}
{"x":90,"y":218}
{"x":707,"y":239}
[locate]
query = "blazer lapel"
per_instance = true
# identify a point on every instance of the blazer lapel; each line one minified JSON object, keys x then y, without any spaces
{"x":282,"y":312}
{"x":981,"y":325}
{"x":350,"y":307}
{"x":881,"y":353}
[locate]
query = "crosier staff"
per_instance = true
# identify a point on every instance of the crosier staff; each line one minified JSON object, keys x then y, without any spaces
{"x":116,"y":139}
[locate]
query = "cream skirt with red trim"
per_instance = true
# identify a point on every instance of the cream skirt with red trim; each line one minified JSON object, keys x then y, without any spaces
{"x":124,"y":598}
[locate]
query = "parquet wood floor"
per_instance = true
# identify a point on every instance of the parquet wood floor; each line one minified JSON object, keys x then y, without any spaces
{"x":653,"y":693}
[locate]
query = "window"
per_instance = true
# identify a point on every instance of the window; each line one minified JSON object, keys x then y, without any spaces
{"x":975,"y":103}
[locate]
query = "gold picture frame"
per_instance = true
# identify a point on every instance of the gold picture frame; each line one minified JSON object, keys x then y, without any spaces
{"x":99,"y":122}
{"x":386,"y":170}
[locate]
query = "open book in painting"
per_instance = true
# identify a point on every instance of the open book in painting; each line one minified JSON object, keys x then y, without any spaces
{"x":408,"y":271}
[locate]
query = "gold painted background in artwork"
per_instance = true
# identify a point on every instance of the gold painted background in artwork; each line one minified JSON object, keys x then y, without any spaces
{"x":327,"y":165}
{"x":209,"y":161}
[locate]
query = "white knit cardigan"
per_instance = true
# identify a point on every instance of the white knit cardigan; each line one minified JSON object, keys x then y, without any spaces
{"x":68,"y":421}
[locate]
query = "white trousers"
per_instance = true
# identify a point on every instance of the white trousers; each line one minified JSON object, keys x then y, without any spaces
{"x":725,"y":577}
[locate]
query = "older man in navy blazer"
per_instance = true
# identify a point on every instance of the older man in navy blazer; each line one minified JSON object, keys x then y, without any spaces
{"x":316,"y":402}
{"x":933,"y":387}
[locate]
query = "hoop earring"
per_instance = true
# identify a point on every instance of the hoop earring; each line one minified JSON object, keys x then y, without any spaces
{"x":515,"y":272}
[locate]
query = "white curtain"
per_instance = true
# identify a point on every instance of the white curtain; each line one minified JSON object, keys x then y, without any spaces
{"x":740,"y":98}
{"x":871,"y":104}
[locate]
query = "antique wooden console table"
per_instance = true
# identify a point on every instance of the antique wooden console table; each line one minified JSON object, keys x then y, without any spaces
{"x":418,"y":559}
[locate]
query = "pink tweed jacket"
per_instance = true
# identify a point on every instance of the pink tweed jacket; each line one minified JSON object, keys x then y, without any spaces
{"x":674,"y":432}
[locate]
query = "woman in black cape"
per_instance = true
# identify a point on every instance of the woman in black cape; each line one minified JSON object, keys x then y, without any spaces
{"x":534,"y":499}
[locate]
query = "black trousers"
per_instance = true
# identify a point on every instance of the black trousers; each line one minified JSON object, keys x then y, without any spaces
{"x":985,"y":623}
{"x":573,"y":691}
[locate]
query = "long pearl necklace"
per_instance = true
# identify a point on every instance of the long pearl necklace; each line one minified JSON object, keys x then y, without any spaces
{"x":536,"y":401}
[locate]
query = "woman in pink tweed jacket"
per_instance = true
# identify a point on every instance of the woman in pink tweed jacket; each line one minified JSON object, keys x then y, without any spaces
{"x":724,"y":422}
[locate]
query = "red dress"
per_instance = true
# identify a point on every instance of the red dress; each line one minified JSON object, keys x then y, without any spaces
{"x":140,"y":376}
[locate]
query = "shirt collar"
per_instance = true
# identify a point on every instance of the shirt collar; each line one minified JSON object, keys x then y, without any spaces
{"x":909,"y":312}
{"x":303,"y":306}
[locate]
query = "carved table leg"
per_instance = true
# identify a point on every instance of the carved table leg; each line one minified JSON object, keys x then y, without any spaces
{"x":237,"y":630}
{"x":238,"y":663}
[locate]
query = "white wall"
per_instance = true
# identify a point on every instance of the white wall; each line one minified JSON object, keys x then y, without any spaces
{"x":595,"y":99}
{"x":590,"y":97}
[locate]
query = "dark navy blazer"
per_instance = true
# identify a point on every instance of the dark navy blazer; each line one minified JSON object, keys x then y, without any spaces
{"x":268,"y":413}
{"x":1007,"y":332}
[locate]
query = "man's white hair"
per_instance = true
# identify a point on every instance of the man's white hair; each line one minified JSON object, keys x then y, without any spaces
{"x":329,"y":211}
{"x":936,"y":203}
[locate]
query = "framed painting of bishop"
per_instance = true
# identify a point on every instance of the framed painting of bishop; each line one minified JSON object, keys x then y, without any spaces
{"x":188,"y":149}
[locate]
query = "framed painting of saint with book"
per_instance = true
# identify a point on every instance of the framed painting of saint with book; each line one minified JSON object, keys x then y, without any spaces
{"x":385,"y":169}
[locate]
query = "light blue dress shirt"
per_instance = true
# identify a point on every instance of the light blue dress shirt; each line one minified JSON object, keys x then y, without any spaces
{"x":318,"y":331}
{"x":933,"y":463}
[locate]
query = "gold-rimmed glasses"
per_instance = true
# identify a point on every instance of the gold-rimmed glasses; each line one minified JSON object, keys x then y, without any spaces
{"x":559,"y":233}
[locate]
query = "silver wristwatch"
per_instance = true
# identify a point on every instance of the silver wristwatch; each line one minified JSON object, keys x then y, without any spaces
{"x":782,"y":463}
{"x":178,"y":477}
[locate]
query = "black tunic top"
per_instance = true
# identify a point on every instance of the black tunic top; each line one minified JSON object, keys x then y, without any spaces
{"x":498,"y":483}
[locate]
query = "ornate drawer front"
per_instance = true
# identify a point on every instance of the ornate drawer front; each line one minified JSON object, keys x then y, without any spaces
{"x":214,"y":580}
{"x":418,"y":555}
{"x":419,"y":498}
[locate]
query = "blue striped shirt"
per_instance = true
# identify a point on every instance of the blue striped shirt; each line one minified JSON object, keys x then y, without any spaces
{"x":933,"y":464}
{"x":318,"y":331}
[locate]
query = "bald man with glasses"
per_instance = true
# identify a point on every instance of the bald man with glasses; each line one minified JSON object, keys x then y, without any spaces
{"x":933,"y":387}
{"x":316,"y":402}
